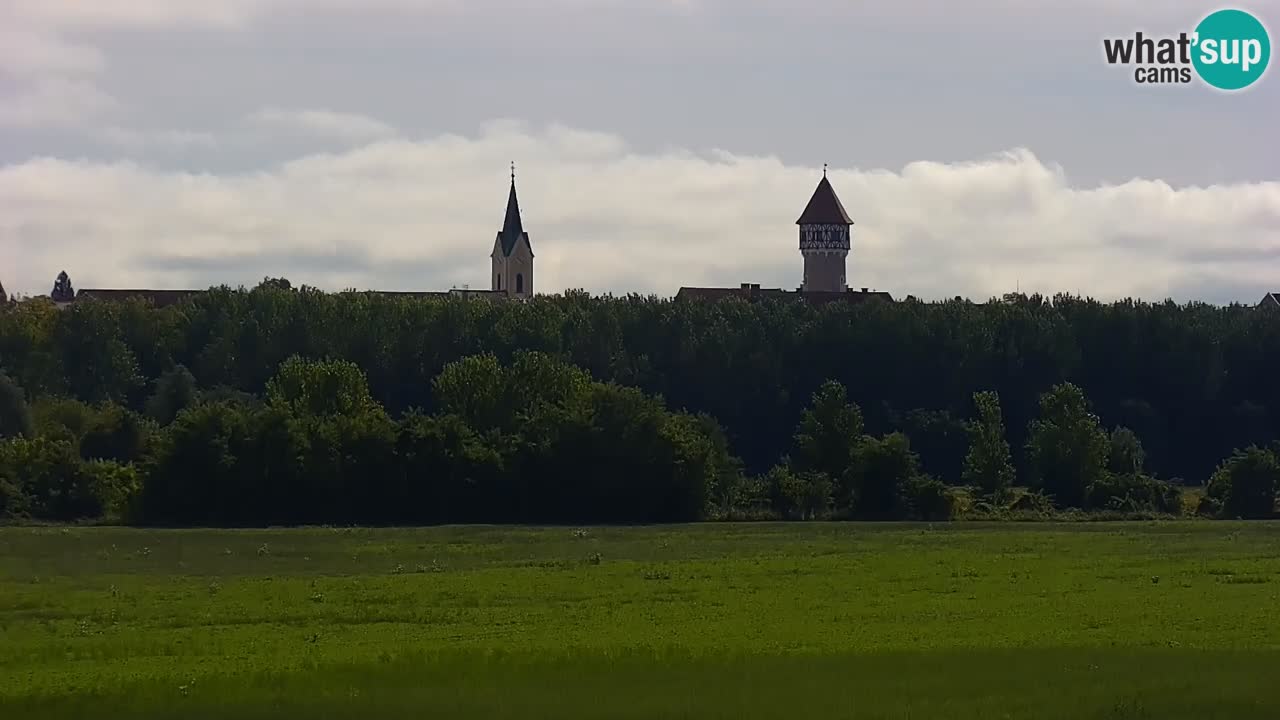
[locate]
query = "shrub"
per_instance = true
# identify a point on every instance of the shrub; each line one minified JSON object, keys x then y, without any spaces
{"x":65,"y":419}
{"x":1246,"y":483}
{"x":1032,"y":503}
{"x":930,"y":499}
{"x":52,"y":478}
{"x":114,"y":485}
{"x":799,"y":496}
{"x":115,"y":433}
{"x":1134,"y":492}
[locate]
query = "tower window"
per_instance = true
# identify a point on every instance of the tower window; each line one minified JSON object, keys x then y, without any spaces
{"x":497,"y":282}
{"x":519,"y":283}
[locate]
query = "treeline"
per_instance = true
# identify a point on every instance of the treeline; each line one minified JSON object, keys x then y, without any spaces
{"x":1186,"y":385}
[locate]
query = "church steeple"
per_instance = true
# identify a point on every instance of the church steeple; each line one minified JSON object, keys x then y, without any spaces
{"x":512,"y":254}
{"x":512,"y":227}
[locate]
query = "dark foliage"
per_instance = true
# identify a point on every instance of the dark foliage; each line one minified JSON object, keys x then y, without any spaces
{"x":1246,"y":484}
{"x":15,"y":414}
{"x":638,"y":404}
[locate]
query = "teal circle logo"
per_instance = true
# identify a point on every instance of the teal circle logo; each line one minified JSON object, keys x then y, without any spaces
{"x":1232,"y":49}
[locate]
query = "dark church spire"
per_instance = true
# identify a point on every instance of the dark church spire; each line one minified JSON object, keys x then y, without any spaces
{"x":512,"y":227}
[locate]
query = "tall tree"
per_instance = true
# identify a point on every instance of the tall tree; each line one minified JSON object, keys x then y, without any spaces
{"x":1124,"y":452}
{"x":1067,"y":450}
{"x":175,"y":391}
{"x":321,"y":388}
{"x":989,"y":465}
{"x":15,"y":414}
{"x":829,"y":432}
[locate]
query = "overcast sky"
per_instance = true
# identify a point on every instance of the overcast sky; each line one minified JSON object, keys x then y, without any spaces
{"x":980,"y":146}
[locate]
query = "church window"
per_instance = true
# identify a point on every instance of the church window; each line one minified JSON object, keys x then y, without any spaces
{"x":519,"y":282}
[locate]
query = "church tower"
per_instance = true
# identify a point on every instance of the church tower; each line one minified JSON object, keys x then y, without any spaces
{"x":512,"y":255}
{"x":824,"y":240}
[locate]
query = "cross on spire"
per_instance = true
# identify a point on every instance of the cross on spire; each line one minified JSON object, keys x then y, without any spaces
{"x":824,"y":169}
{"x":513,"y":171}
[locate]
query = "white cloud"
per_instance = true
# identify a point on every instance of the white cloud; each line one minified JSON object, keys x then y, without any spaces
{"x":54,"y":102}
{"x":323,"y":123}
{"x":420,"y":215}
{"x":134,"y":139}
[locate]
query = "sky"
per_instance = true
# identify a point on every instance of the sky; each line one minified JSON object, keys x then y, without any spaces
{"x":981,"y":147}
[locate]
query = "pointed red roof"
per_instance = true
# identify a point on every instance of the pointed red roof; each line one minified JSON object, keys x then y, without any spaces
{"x":824,"y":207}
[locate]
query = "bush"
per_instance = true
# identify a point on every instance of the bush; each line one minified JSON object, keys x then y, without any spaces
{"x":1032,"y":503}
{"x":1246,"y":483}
{"x":930,"y":499}
{"x":1134,"y":492}
{"x":48,"y":478}
{"x":114,"y":485}
{"x":64,"y":419}
{"x":115,"y":433}
{"x":799,"y":496}
{"x":14,"y":502}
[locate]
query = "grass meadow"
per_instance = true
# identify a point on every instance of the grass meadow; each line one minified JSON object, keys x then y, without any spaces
{"x":966,"y":620}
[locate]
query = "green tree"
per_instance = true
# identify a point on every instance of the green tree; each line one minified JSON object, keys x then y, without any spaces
{"x":15,"y":414}
{"x":321,"y":388}
{"x":1245,"y":485}
{"x":1124,"y":452}
{"x":474,"y":389}
{"x":829,"y":432}
{"x":60,"y":418}
{"x":51,"y":478}
{"x":884,"y":469}
{"x":116,"y":433}
{"x":175,"y":391}
{"x":806,"y":496}
{"x":988,"y":465}
{"x":1067,"y":449}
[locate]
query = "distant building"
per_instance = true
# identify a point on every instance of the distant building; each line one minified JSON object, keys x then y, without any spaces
{"x":63,"y":293}
{"x":824,"y":246}
{"x":512,"y":255}
{"x":158,"y":298}
{"x":755,"y":293}
{"x":824,"y":240}
{"x":464,"y":293}
{"x":1270,"y":301}
{"x":4,"y":296}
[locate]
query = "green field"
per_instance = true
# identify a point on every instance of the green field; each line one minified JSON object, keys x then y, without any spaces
{"x":1134,"y":620}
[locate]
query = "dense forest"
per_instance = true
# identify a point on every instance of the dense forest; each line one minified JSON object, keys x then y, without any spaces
{"x":283,"y":405}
